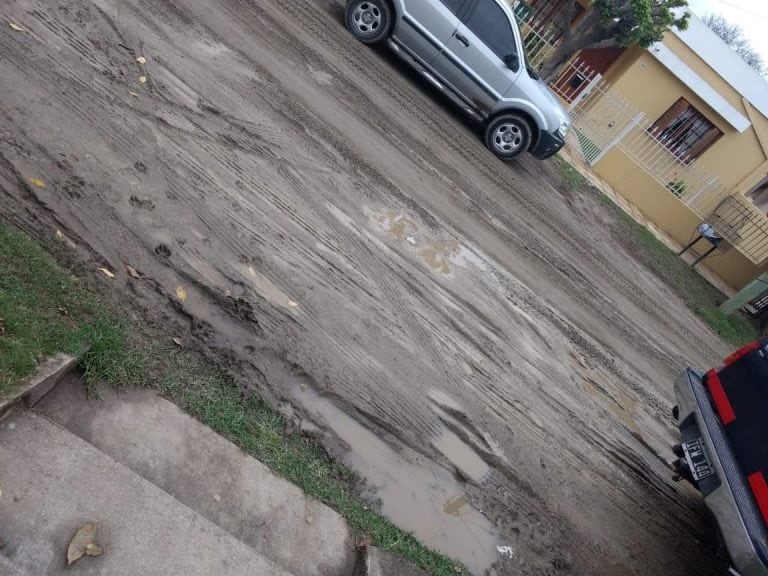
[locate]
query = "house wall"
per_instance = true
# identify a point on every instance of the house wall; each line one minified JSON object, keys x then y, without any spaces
{"x":734,"y":156}
{"x":670,"y":215}
{"x":738,"y":159}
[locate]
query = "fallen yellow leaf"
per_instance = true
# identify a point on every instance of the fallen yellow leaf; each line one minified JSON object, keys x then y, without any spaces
{"x":181,"y":294}
{"x":82,"y":543}
{"x":36,"y":182}
{"x":141,"y":60}
{"x":132,"y":272}
{"x":143,"y":79}
{"x":16,"y":27}
{"x":292,"y":304}
{"x":108,"y":273}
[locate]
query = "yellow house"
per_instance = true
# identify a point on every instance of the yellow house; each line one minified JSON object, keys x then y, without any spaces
{"x":680,"y":130}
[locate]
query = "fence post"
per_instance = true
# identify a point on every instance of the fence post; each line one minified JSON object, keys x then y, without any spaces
{"x":634,"y":122}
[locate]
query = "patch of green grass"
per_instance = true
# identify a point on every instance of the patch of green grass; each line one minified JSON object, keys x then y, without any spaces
{"x":45,"y":310}
{"x":698,"y":294}
{"x":571,"y":177}
{"x":734,"y":329}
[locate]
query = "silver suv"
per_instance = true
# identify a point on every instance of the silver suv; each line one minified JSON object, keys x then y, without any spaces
{"x":471,"y":50}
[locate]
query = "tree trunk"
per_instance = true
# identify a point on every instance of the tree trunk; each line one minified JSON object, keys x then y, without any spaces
{"x":587,"y":34}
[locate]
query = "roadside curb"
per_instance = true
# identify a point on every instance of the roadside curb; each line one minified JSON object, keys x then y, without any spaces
{"x":34,"y":388}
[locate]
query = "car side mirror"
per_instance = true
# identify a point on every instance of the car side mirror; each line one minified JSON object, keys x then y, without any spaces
{"x":512,"y":61}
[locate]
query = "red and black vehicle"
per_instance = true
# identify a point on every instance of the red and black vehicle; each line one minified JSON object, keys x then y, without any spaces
{"x":723,"y":421}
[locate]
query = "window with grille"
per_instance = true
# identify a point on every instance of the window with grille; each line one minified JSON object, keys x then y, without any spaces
{"x":685,"y":131}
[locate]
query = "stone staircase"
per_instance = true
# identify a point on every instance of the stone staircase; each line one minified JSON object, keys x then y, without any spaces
{"x":170,"y":496}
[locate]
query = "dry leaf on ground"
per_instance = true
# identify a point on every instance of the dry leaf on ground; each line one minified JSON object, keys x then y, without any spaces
{"x":79,"y":545}
{"x":181,"y":294}
{"x":177,"y":341}
{"x":16,"y":27}
{"x":132,"y":272}
{"x":143,"y":79}
{"x":141,"y":60}
{"x":93,"y":550}
{"x":134,"y":94}
{"x":36,"y":182}
{"x":108,"y":273}
{"x":292,"y":304}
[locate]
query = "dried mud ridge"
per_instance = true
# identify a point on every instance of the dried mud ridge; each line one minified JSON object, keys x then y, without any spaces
{"x":478,"y":345}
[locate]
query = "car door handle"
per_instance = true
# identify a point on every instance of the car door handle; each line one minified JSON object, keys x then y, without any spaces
{"x":462,"y":39}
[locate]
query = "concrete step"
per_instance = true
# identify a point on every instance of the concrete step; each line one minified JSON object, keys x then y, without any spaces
{"x":53,"y":482}
{"x":209,"y":474}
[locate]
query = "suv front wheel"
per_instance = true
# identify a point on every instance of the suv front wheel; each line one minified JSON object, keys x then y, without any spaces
{"x":369,"y":20}
{"x":508,"y":135}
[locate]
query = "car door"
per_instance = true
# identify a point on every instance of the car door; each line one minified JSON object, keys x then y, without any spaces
{"x":427,"y":25}
{"x":473,"y":60}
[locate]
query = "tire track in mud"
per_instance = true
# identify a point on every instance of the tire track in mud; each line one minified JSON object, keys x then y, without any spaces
{"x":609,"y":302}
{"x":364,"y":106}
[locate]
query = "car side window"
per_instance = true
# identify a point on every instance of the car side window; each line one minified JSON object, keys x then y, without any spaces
{"x":454,"y":5}
{"x":490,"y":23}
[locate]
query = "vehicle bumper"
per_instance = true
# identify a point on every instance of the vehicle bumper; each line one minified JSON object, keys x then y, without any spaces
{"x":727,"y":493}
{"x":548,"y":145}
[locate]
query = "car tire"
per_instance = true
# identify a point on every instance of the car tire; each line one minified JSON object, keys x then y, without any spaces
{"x":508,"y":135}
{"x":370,"y":21}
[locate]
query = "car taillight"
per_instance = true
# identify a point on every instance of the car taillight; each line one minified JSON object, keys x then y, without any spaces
{"x":741,"y":352}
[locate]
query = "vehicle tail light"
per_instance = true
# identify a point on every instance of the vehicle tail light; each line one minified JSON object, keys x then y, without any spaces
{"x":741,"y":352}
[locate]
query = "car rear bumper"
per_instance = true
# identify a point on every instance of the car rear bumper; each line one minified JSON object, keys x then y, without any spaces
{"x":548,"y":145}
{"x":727,"y":495}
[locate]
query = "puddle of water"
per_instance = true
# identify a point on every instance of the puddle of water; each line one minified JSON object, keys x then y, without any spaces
{"x":425,"y":499}
{"x":462,"y":456}
{"x":456,"y":505}
{"x":438,"y":254}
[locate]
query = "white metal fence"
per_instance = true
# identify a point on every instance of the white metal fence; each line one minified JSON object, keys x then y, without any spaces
{"x":540,"y":34}
{"x":603,"y":119}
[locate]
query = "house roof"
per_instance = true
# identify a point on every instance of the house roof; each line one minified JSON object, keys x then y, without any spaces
{"x":723,"y":60}
{"x":700,"y":87}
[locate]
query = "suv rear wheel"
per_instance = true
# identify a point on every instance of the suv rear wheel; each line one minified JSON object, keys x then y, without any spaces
{"x":508,"y":135}
{"x":369,"y":20}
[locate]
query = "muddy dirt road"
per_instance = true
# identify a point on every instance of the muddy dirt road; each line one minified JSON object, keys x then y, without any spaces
{"x":473,"y":341}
